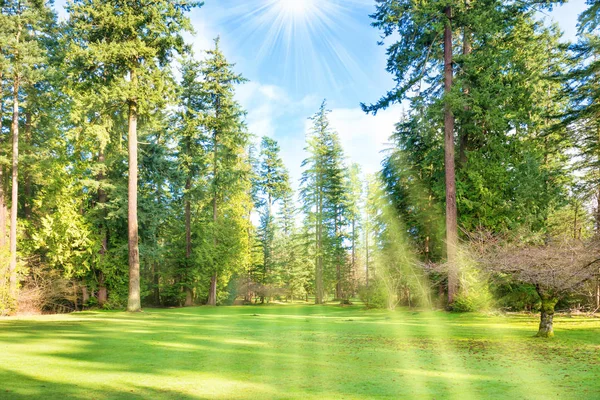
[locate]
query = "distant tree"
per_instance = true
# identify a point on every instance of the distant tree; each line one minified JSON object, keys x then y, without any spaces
{"x":273,"y":185}
{"x":222,"y":119}
{"x":324,"y":197}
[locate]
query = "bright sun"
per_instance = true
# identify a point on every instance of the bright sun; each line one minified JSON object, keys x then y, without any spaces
{"x":297,"y":8}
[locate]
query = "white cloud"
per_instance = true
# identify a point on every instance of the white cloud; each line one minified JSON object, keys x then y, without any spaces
{"x":363,"y":136}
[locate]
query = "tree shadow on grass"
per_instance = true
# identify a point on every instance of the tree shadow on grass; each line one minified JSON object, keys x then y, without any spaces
{"x":200,"y":353}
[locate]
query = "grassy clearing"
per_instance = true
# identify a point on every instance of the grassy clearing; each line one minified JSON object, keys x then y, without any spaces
{"x":296,"y":351}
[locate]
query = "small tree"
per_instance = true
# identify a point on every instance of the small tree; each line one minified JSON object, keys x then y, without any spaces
{"x":555,"y":268}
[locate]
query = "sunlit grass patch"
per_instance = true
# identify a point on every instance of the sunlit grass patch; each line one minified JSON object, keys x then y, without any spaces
{"x":298,"y":352}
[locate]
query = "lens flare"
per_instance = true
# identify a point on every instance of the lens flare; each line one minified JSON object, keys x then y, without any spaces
{"x":297,"y":9}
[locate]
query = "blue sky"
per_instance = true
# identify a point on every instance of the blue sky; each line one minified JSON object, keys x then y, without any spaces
{"x":297,"y":53}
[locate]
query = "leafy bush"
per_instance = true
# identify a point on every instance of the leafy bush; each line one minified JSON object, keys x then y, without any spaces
{"x":374,"y":296}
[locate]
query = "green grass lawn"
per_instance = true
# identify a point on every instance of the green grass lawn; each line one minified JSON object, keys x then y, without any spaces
{"x":296,"y":351}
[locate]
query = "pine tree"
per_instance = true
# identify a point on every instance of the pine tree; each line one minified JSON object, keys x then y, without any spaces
{"x":324,"y":197}
{"x":273,"y":185}
{"x":191,"y":154}
{"x":222,"y":118}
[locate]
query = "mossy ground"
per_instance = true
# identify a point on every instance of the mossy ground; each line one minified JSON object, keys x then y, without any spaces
{"x":296,"y":352}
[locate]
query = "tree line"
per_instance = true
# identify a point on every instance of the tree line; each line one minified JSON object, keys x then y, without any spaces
{"x":129,"y":178}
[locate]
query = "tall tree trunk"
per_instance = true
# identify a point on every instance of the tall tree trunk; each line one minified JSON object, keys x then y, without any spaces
{"x":367,"y":232}
{"x":464,"y":137}
{"x":338,"y":266}
{"x":15,"y":191}
{"x":156,"y":281}
{"x":28,"y":192}
{"x":212,"y":293}
{"x":3,"y":207}
{"x":134,"y":301}
{"x":546,"y":313}
{"x":102,"y":199}
{"x":451,"y":211}
{"x":248,"y":294}
{"x":319,"y":266}
{"x":189,"y":294}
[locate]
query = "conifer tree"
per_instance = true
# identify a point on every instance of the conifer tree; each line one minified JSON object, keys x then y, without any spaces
{"x":191,"y":154}
{"x":222,"y":119}
{"x":273,"y":185}
{"x":324,"y":197}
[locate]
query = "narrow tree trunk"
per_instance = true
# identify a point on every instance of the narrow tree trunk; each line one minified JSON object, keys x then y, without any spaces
{"x":28,"y":192}
{"x":597,"y":293}
{"x":3,"y":205}
{"x":464,"y":137}
{"x":338,"y":266}
{"x":575,"y":220}
{"x":134,"y":301}
{"x":189,"y":295}
{"x":319,"y":266}
{"x":451,"y":211}
{"x":102,"y":291}
{"x":212,"y":293}
{"x":102,"y":199}
{"x":85,"y":295}
{"x":156,"y":282}
{"x":15,"y":192}
{"x":547,"y":314}
{"x":248,"y":294}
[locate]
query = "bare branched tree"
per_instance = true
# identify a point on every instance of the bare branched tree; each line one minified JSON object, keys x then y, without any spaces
{"x":555,"y":268}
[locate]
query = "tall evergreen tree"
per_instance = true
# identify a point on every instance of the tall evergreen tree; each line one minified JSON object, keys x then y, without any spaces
{"x":223,"y":120}
{"x":324,"y":198}
{"x":273,"y":185}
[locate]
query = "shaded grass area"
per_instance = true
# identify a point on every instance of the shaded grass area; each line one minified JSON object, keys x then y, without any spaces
{"x":296,"y":351}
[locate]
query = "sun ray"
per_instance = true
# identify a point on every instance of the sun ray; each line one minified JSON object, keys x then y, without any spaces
{"x":303,"y":38}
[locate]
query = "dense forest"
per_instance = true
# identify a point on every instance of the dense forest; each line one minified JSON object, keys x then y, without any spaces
{"x":129,"y":176}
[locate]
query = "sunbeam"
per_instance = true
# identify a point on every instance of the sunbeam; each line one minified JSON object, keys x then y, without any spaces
{"x":304,"y":37}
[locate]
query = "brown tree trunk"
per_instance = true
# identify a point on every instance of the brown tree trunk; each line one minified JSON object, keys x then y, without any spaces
{"x":464,"y":137}
{"x":102,"y":291}
{"x":338,"y":267}
{"x":28,"y":192}
{"x":546,"y":314}
{"x":85,"y":295}
{"x":156,"y":282}
{"x":3,"y":206}
{"x":189,"y":294}
{"x":319,"y":266}
{"x":451,"y":211}
{"x":102,"y":199}
{"x":15,"y":192}
{"x":212,"y":293}
{"x":367,"y":252}
{"x":134,"y":301}
{"x":597,"y":293}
